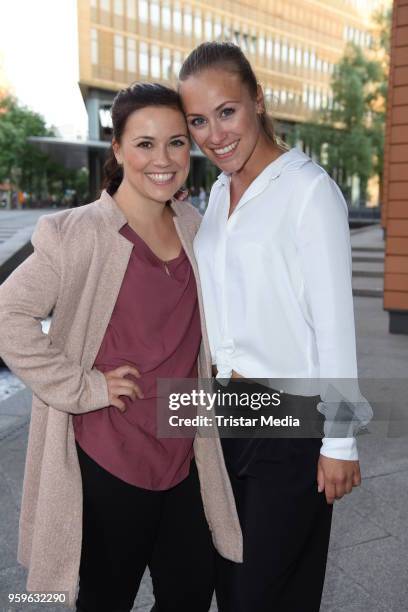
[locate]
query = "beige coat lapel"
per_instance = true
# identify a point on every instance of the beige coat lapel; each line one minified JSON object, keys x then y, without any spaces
{"x":114,"y":251}
{"x":187,"y":226}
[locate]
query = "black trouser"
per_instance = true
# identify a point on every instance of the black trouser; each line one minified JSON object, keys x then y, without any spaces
{"x":285,"y":523}
{"x":126,"y":529}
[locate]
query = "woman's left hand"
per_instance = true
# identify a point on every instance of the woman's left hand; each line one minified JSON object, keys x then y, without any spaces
{"x":336,"y":477}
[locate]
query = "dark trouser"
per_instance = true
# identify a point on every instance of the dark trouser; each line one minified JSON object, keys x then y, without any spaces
{"x":126,"y":529}
{"x":285,"y":523}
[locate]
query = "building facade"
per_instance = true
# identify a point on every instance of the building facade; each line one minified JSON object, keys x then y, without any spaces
{"x":395,"y":206}
{"x":292,"y":44}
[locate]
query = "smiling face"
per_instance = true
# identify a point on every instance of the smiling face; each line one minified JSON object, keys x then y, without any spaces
{"x":155,"y":152}
{"x":222,"y":117}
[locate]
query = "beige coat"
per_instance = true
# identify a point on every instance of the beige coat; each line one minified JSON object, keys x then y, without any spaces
{"x":76,"y":269}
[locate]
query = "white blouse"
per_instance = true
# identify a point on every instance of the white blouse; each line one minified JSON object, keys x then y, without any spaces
{"x":276,"y":279}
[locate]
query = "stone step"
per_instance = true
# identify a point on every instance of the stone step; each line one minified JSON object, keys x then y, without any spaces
{"x":368,"y":293}
{"x":372,"y":266}
{"x":368,"y":249}
{"x":368,"y":258}
{"x":371,"y":269}
{"x":367,"y":274}
{"x":368,"y":286}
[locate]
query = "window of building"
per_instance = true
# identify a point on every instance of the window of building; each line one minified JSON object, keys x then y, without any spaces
{"x":119,"y":52}
{"x":155,"y":68}
{"x":105,"y":5}
{"x":131,"y":9}
{"x":325,"y":66}
{"x":177,"y":61}
{"x":284,"y":52}
{"x":105,"y":118}
{"x":166,"y":15}
{"x":143,"y":11}
{"x":227,"y":30}
{"x":253,"y":41}
{"x":306,"y":58}
{"x":299,"y":57}
{"x":131,"y":55}
{"x":277,"y":50}
{"x":237,"y":37}
{"x":208,"y":27}
{"x":269,"y":48}
{"x":143,"y":59}
{"x":283,"y":96}
{"x":155,"y":12}
{"x":197,"y":23}
{"x":166,"y":64}
{"x":217,"y":28}
{"x":310,"y":97}
{"x":319,"y":64}
{"x":330,"y":100}
{"x":188,"y":20}
{"x":177,"y":18}
{"x":94,"y":46}
{"x":261,"y":45}
{"x":292,"y":55}
{"x":313,"y":60}
{"x":118,"y":7}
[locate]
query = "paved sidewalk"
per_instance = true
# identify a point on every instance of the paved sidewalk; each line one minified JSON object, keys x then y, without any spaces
{"x":367,"y":567}
{"x":16,"y":228}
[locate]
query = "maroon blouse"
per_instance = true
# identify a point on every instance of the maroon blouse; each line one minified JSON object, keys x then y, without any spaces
{"x":155,"y":326}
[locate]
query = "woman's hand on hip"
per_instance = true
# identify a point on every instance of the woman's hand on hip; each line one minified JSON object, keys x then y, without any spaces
{"x":336,"y":477}
{"x":119,"y":385}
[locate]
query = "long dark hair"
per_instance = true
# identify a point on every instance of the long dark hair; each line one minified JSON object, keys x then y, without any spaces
{"x":229,"y":57}
{"x":135,"y":97}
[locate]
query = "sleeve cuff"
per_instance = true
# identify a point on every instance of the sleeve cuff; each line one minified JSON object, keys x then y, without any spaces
{"x":340,"y":448}
{"x":99,"y":395}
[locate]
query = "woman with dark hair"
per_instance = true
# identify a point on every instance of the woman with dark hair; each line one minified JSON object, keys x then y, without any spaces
{"x":273,"y":254}
{"x":103,"y":496}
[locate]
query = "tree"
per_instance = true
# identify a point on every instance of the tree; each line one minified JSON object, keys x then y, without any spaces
{"x":20,"y":161}
{"x":23,"y":163}
{"x":348,"y":137}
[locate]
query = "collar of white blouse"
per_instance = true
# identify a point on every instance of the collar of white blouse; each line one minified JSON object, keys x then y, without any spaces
{"x":271,"y":172}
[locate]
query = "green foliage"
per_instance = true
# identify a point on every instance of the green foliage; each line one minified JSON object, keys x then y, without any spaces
{"x":19,"y":161}
{"x":22,"y":163}
{"x":348,"y":138}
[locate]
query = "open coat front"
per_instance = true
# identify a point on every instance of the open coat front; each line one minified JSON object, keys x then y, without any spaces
{"x":76,"y":270}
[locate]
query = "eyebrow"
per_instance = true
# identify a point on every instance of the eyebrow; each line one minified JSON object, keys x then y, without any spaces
{"x":151,"y":137}
{"x":217,"y":108}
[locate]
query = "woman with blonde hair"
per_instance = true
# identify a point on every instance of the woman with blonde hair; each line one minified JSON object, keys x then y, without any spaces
{"x":273,"y":252}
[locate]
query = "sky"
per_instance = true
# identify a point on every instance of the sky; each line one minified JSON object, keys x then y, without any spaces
{"x":38,"y":45}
